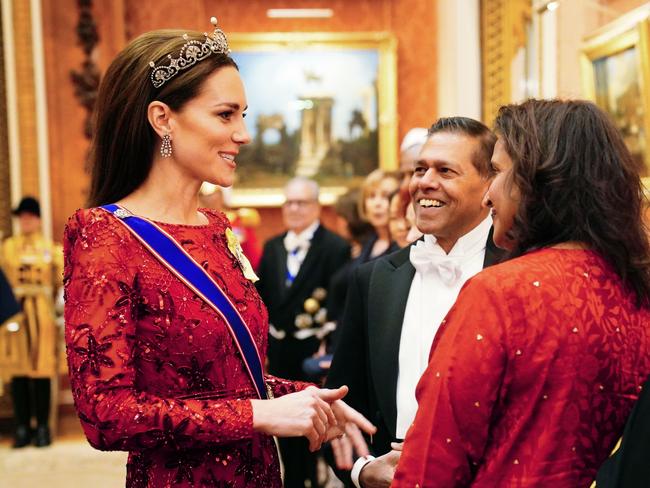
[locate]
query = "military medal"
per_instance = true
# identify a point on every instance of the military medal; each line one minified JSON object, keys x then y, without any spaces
{"x":237,"y":251}
{"x":311,"y":306}
{"x":304,"y":321}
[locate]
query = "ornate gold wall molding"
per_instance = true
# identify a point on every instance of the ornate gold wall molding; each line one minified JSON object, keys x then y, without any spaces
{"x":5,"y":183}
{"x":503,"y":32}
{"x":26,"y":98}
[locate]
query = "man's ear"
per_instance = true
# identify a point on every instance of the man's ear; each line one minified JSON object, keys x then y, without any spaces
{"x":159,"y":116}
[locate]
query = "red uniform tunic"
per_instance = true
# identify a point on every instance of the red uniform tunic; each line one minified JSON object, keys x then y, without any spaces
{"x":154,"y":371}
{"x":530,"y":378}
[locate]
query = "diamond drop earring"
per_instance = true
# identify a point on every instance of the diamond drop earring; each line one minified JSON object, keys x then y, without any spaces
{"x":166,"y":146}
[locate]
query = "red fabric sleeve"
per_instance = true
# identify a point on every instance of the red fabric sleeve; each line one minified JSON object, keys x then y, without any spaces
{"x":457,"y":394}
{"x":281,"y":387}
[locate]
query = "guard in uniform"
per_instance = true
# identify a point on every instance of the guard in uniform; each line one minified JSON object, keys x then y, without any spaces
{"x":33,"y":265}
{"x":295,"y":271}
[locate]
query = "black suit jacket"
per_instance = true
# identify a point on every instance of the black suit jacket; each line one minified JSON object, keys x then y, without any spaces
{"x":327,"y":253}
{"x":629,"y":466}
{"x":367,"y":354}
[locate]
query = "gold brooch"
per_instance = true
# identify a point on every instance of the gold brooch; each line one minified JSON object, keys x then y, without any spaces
{"x":237,"y":251}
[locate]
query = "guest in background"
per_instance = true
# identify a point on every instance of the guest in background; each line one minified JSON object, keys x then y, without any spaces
{"x":34,"y":266}
{"x":295,"y":269}
{"x":401,"y":221}
{"x":409,"y":152}
{"x":357,"y":231}
{"x":374,"y":206}
{"x":396,"y":303}
{"x":373,"y":210}
{"x":349,"y":223}
{"x":539,"y":362}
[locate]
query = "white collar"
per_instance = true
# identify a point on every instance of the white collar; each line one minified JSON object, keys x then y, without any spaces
{"x":306,"y":234}
{"x":466,"y":245}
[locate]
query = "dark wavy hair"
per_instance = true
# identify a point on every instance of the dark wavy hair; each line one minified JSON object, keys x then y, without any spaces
{"x":121,"y":152}
{"x":578,"y":182}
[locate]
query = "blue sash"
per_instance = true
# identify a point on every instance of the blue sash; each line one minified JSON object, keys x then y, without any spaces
{"x":180,"y":263}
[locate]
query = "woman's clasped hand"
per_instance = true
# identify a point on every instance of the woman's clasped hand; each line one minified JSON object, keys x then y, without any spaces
{"x":319,"y":414}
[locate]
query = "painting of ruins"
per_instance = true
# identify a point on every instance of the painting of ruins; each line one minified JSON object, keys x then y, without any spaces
{"x":313,"y":111}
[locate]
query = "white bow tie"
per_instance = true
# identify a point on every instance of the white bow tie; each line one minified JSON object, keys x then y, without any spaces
{"x":425,"y":260}
{"x":293,"y":242}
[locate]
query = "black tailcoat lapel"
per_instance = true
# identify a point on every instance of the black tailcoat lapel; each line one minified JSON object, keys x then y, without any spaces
{"x":389,"y":289}
{"x":390,"y":284}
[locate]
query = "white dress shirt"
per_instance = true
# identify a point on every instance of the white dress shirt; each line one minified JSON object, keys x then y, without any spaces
{"x":437,"y":281}
{"x":297,"y":246}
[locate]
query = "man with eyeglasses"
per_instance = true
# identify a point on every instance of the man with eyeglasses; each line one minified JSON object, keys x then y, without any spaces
{"x":295,"y":269}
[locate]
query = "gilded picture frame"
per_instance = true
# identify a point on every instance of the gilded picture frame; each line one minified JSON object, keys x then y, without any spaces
{"x":321,"y":105}
{"x":615,"y":66}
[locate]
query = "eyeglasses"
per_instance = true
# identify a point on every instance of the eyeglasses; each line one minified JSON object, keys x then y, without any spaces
{"x":298,"y":203}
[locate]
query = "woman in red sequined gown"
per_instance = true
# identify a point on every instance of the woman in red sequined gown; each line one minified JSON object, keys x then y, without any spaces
{"x":153,"y":368}
{"x":537,"y":365}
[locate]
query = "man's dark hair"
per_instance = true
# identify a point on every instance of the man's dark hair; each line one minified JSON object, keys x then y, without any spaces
{"x":471,"y":128}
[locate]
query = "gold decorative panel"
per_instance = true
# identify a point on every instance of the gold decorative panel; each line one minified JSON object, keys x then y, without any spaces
{"x":26,"y":98}
{"x":5,"y":184}
{"x":503,"y":32}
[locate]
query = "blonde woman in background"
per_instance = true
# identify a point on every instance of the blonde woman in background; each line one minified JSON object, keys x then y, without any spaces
{"x":374,"y":206}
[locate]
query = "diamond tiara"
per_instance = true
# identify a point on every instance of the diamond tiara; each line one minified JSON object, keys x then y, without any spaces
{"x":191,"y":53}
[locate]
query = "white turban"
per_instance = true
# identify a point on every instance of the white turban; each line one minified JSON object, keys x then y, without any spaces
{"x":414,"y":137}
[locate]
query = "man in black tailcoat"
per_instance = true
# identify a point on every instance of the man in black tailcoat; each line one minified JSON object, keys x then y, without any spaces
{"x":396,"y":303}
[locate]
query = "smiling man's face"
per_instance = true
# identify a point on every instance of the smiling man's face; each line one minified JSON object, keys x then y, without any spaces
{"x":447,"y":189}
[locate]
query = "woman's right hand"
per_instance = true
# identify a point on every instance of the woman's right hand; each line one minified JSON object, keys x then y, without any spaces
{"x":304,"y":413}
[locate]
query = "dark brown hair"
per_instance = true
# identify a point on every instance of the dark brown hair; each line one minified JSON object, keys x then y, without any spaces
{"x":471,"y":128}
{"x":347,"y":206}
{"x":578,"y":182}
{"x":122,"y":149}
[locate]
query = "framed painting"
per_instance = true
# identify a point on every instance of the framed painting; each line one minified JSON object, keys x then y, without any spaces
{"x":616,"y":75}
{"x":320,"y":105}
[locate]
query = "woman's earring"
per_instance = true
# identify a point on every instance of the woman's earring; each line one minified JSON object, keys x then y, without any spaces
{"x":166,"y":146}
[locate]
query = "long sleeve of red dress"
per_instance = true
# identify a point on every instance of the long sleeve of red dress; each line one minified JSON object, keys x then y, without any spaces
{"x":530,"y":378}
{"x":153,"y":370}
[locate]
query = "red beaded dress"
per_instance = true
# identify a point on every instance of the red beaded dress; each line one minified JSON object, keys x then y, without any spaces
{"x":530,"y":377}
{"x":154,"y":371}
